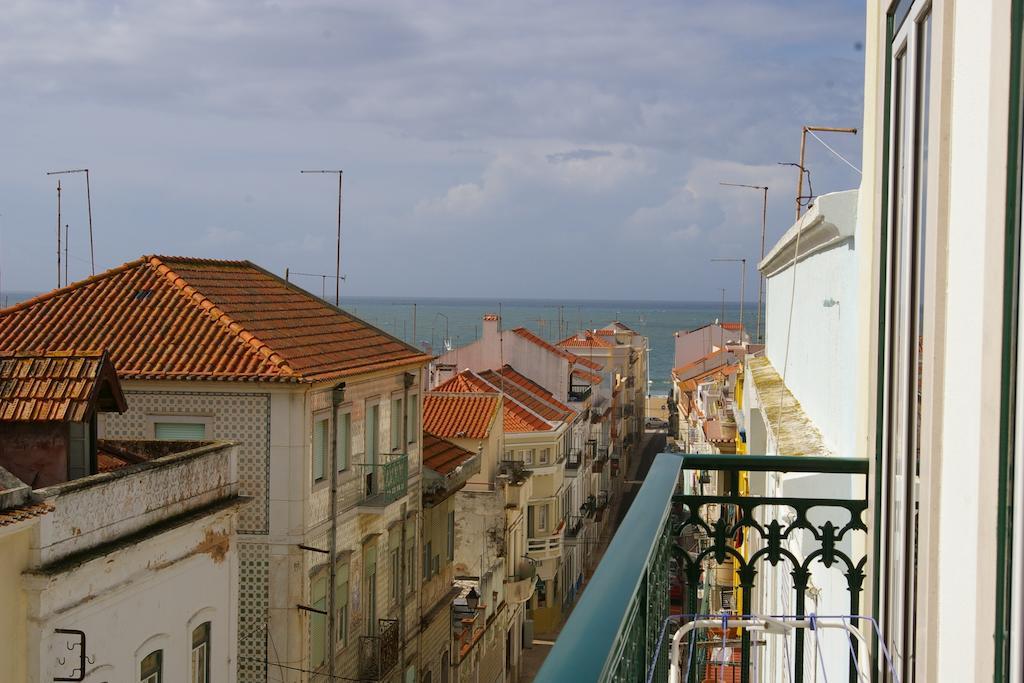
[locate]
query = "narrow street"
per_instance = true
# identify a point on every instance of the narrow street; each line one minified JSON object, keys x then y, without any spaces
{"x":653,"y":443}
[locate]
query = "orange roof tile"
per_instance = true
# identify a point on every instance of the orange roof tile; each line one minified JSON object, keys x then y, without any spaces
{"x":165,"y":317}
{"x":443,"y":456}
{"x":58,"y":386}
{"x":516,"y":416}
{"x":20,"y":513}
{"x":529,"y":393}
{"x":732,"y":326}
{"x":568,"y":355}
{"x":588,"y":377}
{"x":590,"y":340}
{"x":459,"y":415}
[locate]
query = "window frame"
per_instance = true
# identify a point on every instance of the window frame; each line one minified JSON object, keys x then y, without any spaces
{"x":153,"y":419}
{"x":906,"y":304}
{"x":205,"y":644}
{"x":324,"y":418}
{"x":156,"y":671}
{"x":317,"y":621}
{"x":343,"y":422}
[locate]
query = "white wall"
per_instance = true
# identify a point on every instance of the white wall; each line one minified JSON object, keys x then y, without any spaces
{"x":820,"y":367}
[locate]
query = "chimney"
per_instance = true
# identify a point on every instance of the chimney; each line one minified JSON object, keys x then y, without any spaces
{"x":491,"y":328}
{"x":491,"y":340}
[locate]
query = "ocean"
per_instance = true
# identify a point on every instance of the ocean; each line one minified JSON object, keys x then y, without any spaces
{"x":458,"y":320}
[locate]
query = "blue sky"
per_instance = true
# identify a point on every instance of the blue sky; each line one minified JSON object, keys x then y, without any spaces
{"x":556,"y":150}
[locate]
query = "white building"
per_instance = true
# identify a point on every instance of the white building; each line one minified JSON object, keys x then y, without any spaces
{"x":796,"y":400}
{"x":124,"y":567}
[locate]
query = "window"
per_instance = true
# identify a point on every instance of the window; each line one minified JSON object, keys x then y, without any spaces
{"x":370,"y":591}
{"x":907,"y":342}
{"x":545,"y":456}
{"x":344,"y":440}
{"x":341,"y":603}
{"x":426,"y":560}
{"x":396,"y":576}
{"x":542,"y":518}
{"x":397,"y":420}
{"x":412,"y":426}
{"x":318,"y":621}
{"x":372,"y":431}
{"x":179,"y":431}
{"x":201,"y":654}
{"x":445,"y":665}
{"x":320,"y":441}
{"x":528,"y":456}
{"x":78,"y":450}
{"x":410,"y":568}
{"x":152,"y":668}
{"x":451,"y":536}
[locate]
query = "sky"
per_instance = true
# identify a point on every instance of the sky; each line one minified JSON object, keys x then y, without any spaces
{"x":498,"y":149}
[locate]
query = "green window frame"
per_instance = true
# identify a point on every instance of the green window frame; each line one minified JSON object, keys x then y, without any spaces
{"x":318,"y":621}
{"x":343,"y":439}
{"x":321,"y":437}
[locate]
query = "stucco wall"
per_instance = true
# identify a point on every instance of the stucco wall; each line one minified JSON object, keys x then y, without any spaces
{"x":14,"y":558}
{"x":140,"y":598}
{"x":820,"y":368}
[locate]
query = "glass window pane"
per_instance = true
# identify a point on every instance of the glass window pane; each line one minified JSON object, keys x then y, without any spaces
{"x":320,"y":441}
{"x":344,"y":440}
{"x":151,"y":669}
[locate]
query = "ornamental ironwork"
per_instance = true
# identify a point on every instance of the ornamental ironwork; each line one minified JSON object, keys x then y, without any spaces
{"x":378,"y":654}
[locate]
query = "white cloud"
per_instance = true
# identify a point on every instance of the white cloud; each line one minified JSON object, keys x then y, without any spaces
{"x":514,"y":173}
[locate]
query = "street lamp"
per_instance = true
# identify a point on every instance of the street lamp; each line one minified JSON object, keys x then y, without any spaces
{"x":760,"y":278}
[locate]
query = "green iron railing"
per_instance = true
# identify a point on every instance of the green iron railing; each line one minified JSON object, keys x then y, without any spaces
{"x":737,"y":515}
{"x":617,"y":631}
{"x":387,"y":482}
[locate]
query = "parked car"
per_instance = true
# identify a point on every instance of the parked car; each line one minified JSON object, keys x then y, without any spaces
{"x":655,"y":423}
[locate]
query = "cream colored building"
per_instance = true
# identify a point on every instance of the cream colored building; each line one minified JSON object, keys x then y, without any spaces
{"x":326,"y":413}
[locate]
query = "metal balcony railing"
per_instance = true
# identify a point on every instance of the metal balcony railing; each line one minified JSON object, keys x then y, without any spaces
{"x":573,"y":459}
{"x":378,"y":654}
{"x":579,"y":394}
{"x":620,"y":629}
{"x":386,"y":482}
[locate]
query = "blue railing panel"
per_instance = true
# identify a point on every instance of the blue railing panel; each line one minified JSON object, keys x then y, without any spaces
{"x":612,"y":617}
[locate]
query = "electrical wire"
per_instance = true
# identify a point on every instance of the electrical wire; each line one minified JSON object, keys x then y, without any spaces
{"x":840,"y":156}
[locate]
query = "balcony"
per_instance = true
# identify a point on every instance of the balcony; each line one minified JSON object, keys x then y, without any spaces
{"x":544,"y":547}
{"x":378,"y":654}
{"x":573,"y":460}
{"x":621,"y":629}
{"x":385,"y":483}
{"x":579,"y":394}
{"x":519,"y":588}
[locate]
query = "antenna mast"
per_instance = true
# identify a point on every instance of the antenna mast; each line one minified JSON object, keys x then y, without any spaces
{"x":88,"y":203}
{"x":337,"y":263}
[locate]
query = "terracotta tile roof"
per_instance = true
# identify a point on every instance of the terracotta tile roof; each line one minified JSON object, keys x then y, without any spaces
{"x":58,"y":386}
{"x":732,"y":326}
{"x":717,"y":432}
{"x":516,"y":417}
{"x":185,"y":318}
{"x":568,"y":355}
{"x":588,"y":377}
{"x":620,"y":326}
{"x":710,"y":361}
{"x":529,"y":393}
{"x":443,"y":456}
{"x":464,"y":382}
{"x":589,"y":340}
{"x":20,"y":513}
{"x":459,"y":415}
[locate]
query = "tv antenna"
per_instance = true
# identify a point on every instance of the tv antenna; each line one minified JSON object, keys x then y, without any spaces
{"x":88,"y":203}
{"x":337,"y":264}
